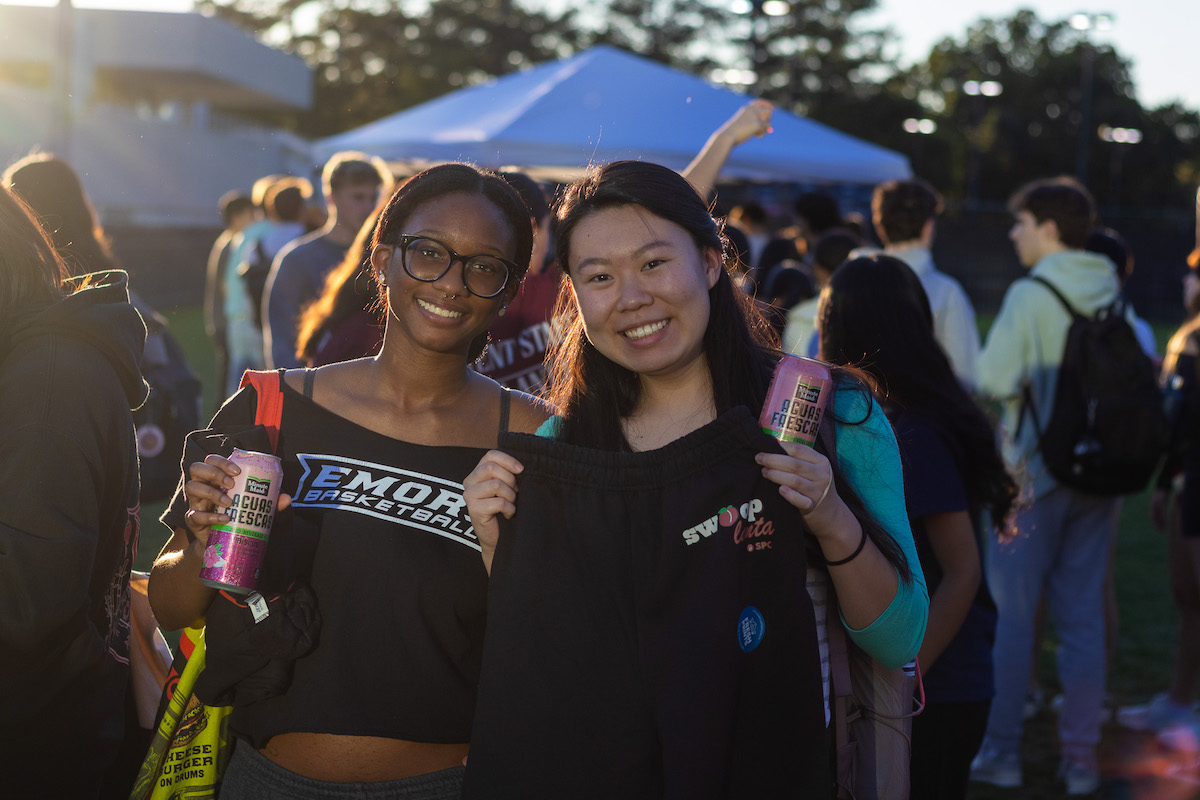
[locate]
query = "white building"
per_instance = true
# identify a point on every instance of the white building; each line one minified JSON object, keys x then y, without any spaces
{"x":146,"y":106}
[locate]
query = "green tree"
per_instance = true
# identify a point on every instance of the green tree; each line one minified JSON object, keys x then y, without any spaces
{"x":1035,"y":126}
{"x":372,"y":59}
{"x":681,"y":33}
{"x":811,"y":58}
{"x":1163,"y":169}
{"x":815,"y":60}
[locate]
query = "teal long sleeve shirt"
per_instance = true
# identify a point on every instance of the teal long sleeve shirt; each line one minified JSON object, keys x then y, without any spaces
{"x":870,"y":460}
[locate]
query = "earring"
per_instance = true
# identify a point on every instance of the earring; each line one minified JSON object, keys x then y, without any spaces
{"x":381,"y":280}
{"x":503,"y":308}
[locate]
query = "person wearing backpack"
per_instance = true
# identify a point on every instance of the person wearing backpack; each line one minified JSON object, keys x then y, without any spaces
{"x":286,"y":208}
{"x":1063,"y":534}
{"x":382,"y":705}
{"x":253,"y":252}
{"x":1107,"y":242}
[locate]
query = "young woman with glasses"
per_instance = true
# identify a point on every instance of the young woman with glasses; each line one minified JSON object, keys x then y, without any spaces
{"x":374,"y":454}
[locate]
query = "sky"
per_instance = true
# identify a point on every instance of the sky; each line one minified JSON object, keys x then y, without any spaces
{"x":1158,"y":36}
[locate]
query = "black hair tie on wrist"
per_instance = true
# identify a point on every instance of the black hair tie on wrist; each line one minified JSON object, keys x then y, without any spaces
{"x":861,"y":544}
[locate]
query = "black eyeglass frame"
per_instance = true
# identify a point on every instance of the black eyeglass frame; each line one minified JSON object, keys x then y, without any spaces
{"x":408,"y":238}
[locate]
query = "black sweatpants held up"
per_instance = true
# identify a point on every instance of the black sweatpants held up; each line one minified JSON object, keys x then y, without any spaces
{"x":649,"y":632}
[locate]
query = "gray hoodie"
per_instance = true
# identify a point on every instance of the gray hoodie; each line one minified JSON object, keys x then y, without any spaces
{"x":1025,"y":345}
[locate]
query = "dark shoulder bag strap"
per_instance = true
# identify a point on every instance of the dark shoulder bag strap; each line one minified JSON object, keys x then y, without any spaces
{"x":1054,"y":290}
{"x":505,"y":400}
{"x":310,"y":375}
{"x":841,"y":695}
{"x":840,"y":691}
{"x":1027,"y":403}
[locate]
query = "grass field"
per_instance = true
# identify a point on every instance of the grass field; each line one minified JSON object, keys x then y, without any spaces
{"x":1140,"y":669}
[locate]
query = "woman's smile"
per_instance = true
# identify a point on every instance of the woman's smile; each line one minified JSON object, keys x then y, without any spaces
{"x":642,"y":331}
{"x":438,"y":310}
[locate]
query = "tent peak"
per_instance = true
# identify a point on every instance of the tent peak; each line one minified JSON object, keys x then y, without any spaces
{"x":605,"y":104}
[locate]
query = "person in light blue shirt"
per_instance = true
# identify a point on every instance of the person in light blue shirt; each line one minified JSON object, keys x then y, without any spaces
{"x":905,"y":217}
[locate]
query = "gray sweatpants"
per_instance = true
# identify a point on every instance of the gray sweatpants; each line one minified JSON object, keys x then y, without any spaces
{"x":1062,"y":549}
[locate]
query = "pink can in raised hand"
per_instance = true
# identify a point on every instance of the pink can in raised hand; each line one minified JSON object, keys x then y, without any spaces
{"x":796,"y":400}
{"x":234,"y":555}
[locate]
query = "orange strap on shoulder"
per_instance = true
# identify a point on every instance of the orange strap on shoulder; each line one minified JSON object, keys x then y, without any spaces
{"x":269,"y":386}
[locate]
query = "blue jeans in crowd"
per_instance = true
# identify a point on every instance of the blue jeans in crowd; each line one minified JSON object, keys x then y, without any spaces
{"x":1061,"y":548}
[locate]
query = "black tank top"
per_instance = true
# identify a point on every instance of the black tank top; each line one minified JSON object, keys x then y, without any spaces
{"x":395,"y":566}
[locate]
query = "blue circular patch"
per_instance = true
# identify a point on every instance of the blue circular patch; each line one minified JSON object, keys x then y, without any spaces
{"x":751,"y":628}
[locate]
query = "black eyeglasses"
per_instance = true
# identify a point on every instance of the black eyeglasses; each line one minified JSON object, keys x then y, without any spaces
{"x":427,"y":259}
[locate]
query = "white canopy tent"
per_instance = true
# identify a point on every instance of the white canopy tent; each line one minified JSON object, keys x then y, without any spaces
{"x":602,"y":105}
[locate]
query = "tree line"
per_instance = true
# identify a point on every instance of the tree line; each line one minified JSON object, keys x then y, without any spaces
{"x":1009,"y":100}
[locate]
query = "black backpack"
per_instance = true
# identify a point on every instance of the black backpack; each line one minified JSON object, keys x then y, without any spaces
{"x":1107,"y":431}
{"x":254,"y":271}
{"x":170,"y":413}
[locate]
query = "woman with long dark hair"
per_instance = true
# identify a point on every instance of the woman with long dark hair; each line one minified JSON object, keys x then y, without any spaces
{"x":52,"y":190}
{"x":875,"y":314}
{"x":70,"y":349}
{"x":660,"y":530}
{"x":374,"y":452}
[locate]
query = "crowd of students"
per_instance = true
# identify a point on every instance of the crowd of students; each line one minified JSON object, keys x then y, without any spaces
{"x":498,"y":417}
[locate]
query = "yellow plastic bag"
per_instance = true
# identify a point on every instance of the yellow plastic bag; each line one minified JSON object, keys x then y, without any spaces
{"x":192,"y":744}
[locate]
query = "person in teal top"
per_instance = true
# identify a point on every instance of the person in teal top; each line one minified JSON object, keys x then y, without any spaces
{"x":659,"y":347}
{"x":870,"y":461}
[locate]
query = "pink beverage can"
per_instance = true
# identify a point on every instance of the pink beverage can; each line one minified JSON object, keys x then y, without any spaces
{"x":234,"y":555}
{"x":796,"y":400}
